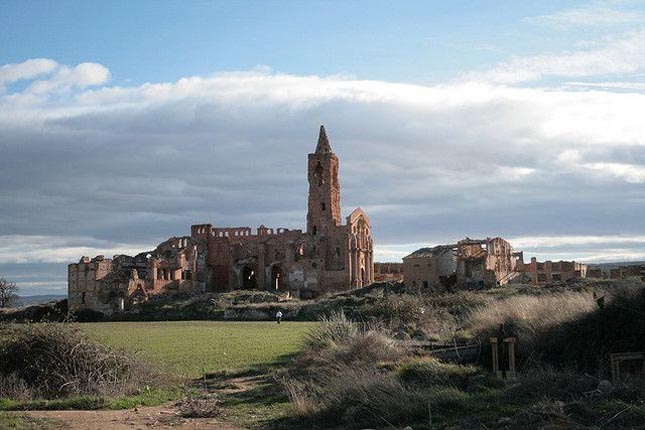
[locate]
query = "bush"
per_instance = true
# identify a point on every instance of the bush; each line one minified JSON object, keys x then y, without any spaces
{"x":333,"y":330}
{"x":358,"y":396}
{"x":528,"y":317}
{"x":56,"y":360}
{"x":430,"y":372}
{"x":586,"y":342}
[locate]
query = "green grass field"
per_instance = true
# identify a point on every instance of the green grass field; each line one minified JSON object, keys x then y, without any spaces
{"x":192,"y":348}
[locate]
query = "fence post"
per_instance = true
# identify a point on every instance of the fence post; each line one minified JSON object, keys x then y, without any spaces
{"x":510,"y":341}
{"x":495,"y":357}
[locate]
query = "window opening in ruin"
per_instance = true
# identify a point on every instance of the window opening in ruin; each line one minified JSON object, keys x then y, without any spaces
{"x":249,"y":280}
{"x":425,"y":284}
{"x":314,"y":230}
{"x":318,"y":174}
{"x":83,"y":298}
{"x":277,"y":279}
{"x":322,"y":206}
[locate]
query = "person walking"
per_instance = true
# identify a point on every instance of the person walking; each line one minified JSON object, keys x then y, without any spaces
{"x":278,"y":316}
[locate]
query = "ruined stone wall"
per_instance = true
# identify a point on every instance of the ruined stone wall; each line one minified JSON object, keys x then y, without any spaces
{"x":617,"y":272}
{"x":420,"y":273}
{"x":546,"y":272}
{"x":84,"y":282}
{"x":174,"y":265}
{"x":388,"y":272}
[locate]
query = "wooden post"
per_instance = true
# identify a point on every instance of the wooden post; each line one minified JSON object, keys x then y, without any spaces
{"x":495,"y":357}
{"x":510,"y":341}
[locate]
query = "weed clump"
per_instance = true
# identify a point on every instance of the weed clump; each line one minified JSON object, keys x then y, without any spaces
{"x":51,"y":361}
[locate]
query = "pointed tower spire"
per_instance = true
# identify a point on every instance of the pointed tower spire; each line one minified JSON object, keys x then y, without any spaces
{"x":323,"y":142}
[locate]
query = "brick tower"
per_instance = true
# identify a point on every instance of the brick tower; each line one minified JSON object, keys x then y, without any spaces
{"x":324,"y":189}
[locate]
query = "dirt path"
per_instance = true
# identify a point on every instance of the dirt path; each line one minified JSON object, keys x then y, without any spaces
{"x":144,"y":418}
{"x":165,"y":417}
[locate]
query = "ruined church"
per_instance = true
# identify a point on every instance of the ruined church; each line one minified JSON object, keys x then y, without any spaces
{"x":329,"y":256}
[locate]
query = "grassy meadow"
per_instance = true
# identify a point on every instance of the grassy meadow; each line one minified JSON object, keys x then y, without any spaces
{"x":193,"y":348}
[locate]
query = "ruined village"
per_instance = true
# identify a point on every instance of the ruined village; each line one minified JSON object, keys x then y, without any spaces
{"x":322,"y":215}
{"x":328,"y":256}
{"x":275,"y":328}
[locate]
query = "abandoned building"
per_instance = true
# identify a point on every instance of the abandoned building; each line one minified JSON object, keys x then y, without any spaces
{"x":480,"y":263}
{"x":430,"y":268}
{"x":388,"y":272}
{"x":617,"y":271}
{"x":546,"y":272}
{"x":329,"y":256}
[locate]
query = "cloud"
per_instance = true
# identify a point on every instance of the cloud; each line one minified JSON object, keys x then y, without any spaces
{"x":18,"y":249}
{"x":121,"y":168}
{"x":593,"y":14}
{"x":29,"y":69}
{"x":616,"y":55}
{"x":81,"y":76}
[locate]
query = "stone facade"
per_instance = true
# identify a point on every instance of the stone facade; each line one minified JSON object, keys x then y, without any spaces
{"x":622,"y":271}
{"x":487,"y":262}
{"x":430,"y":268}
{"x":541,"y":273}
{"x":481,"y":263}
{"x":328,"y":256}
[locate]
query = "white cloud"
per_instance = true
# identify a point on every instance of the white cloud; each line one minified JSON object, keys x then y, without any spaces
{"x":593,"y":14}
{"x":637,"y":86}
{"x":29,"y":69}
{"x":528,"y":242}
{"x":20,"y":249}
{"x":634,"y":174}
{"x":619,"y":55}
{"x":137,"y":164}
{"x":81,"y":76}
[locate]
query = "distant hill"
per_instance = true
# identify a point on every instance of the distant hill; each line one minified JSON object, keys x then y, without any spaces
{"x":35,"y":300}
{"x":617,"y":264}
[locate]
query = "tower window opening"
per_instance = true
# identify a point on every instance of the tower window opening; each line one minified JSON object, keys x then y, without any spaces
{"x":322,"y":206}
{"x":318,"y":174}
{"x":314,"y":230}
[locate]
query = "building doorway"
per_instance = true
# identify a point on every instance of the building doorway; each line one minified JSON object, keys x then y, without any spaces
{"x":277,"y":278}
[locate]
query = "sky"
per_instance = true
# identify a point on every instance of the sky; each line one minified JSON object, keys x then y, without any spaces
{"x":122,"y":123}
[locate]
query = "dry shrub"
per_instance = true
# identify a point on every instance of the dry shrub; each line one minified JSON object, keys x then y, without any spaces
{"x":342,"y":374}
{"x":429,"y":372}
{"x":12,"y":387}
{"x":200,"y":407}
{"x":527,"y":317}
{"x":357,"y":395}
{"x":369,"y":347}
{"x":57,"y":360}
{"x":340,"y":340}
{"x":395,"y":310}
{"x":586,"y":342}
{"x":333,"y":330}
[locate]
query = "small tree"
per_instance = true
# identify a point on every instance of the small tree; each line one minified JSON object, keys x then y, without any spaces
{"x":8,"y":292}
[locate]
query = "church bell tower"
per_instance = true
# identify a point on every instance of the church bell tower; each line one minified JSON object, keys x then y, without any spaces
{"x":324,"y":188}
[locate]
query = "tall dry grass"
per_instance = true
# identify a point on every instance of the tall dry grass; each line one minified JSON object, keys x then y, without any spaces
{"x":528,"y":317}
